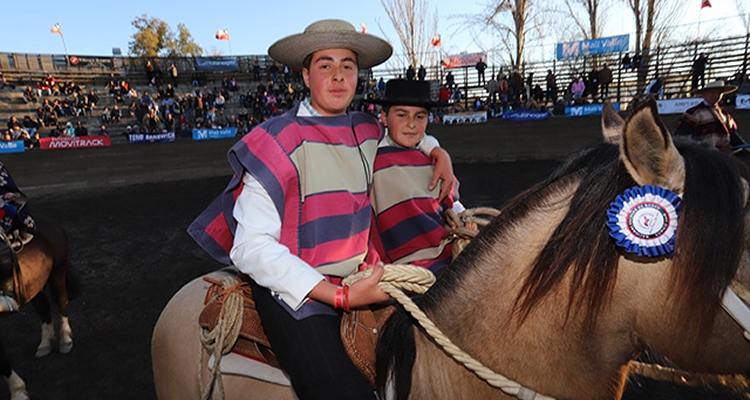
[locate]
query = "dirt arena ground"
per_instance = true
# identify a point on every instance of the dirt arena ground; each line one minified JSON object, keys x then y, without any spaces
{"x":131,"y":250}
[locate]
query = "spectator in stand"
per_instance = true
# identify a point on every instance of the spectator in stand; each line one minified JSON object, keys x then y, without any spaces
{"x":480,"y":67}
{"x":502,"y":88}
{"x":577,"y":88}
{"x":592,"y":87}
{"x":105,"y":116}
{"x":627,"y":63}
{"x":492,"y":87}
{"x":81,"y":130}
{"x":30,"y":125}
{"x":708,"y":122}
{"x":173,"y":74}
{"x":529,"y":87}
{"x":128,"y":131}
{"x":421,"y":73}
{"x":102,"y":131}
{"x":450,"y":80}
{"x":515,"y":86}
{"x":605,"y":78}
{"x":150,"y":73}
{"x":70,"y":130}
{"x":4,"y":83}
{"x":637,"y":62}
{"x":151,"y":121}
{"x":444,"y":95}
{"x":274,"y":71}
{"x":699,"y":72}
{"x":115,"y":115}
{"x":219,"y":102}
{"x":551,"y":80}
{"x":411,"y":73}
{"x":6,"y":136}
{"x":656,"y":87}
{"x":256,"y":70}
{"x":169,"y":123}
{"x":29,"y":96}
{"x":13,"y":122}
{"x":57,"y":131}
{"x":18,"y":133}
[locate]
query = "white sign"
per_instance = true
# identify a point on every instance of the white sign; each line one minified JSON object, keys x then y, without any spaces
{"x":677,"y":106}
{"x":465,"y":118}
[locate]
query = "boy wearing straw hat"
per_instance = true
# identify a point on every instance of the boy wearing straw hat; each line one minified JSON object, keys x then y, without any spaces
{"x":296,"y":215}
{"x":708,"y":121}
{"x":409,"y":220}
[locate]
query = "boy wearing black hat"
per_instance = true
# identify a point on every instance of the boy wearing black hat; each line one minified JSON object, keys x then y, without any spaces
{"x":400,"y":178}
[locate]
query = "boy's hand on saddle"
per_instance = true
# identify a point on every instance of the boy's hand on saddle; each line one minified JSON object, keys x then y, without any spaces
{"x":366,"y":290}
{"x":443,"y":172}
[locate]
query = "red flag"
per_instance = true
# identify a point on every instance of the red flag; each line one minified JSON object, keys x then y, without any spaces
{"x":222,"y":34}
{"x":705,"y":3}
{"x":56,"y":29}
{"x":435,"y":41}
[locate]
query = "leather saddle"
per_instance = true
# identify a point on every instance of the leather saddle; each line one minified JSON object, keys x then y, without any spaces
{"x":359,"y":329}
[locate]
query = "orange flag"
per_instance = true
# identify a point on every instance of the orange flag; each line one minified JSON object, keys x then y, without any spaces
{"x":705,"y":3}
{"x":435,"y":41}
{"x":222,"y":34}
{"x":56,"y":29}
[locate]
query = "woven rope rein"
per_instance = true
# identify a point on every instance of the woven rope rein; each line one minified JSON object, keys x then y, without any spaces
{"x":399,"y":277}
{"x":221,"y":339}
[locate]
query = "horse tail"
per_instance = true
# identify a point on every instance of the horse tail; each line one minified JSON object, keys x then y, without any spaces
{"x":73,"y":284}
{"x":396,"y":353}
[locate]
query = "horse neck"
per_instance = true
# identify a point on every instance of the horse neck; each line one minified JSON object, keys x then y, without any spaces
{"x":546,"y":350}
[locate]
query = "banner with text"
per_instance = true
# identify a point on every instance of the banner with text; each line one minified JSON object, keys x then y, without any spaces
{"x":588,"y":109}
{"x":151,"y":137}
{"x":463,"y":60}
{"x":743,"y":101}
{"x":216,"y":64}
{"x":465,"y":118}
{"x":204,"y":134}
{"x":525,"y":115}
{"x":52,"y":143}
{"x":677,"y":106}
{"x":15,"y":146}
{"x":582,"y":48}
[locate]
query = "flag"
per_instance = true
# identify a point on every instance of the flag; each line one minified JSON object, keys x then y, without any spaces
{"x":705,"y":3}
{"x":435,"y":41}
{"x":364,"y":28}
{"x":56,"y":29}
{"x":222,"y":34}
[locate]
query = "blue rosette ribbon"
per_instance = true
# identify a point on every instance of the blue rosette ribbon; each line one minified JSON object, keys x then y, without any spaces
{"x":643,"y":220}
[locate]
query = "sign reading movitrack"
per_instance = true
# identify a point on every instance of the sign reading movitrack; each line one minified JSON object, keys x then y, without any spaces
{"x":52,"y":143}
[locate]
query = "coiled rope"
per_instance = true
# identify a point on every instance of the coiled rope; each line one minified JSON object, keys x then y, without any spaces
{"x":220,"y":340}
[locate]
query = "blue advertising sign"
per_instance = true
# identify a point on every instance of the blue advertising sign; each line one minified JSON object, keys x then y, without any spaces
{"x":526,"y":115}
{"x":216,"y":64}
{"x":588,"y":109}
{"x":582,"y":48}
{"x":151,"y":137}
{"x":204,"y":134}
{"x":12,"y":147}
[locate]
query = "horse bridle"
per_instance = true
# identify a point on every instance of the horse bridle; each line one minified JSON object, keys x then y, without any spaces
{"x":736,"y":303}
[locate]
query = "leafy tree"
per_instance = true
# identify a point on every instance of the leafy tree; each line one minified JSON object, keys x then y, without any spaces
{"x":155,"y":38}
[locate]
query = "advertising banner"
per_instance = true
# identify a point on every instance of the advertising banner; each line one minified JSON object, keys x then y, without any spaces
{"x":587,"y":109}
{"x":463,"y":60}
{"x":15,"y":146}
{"x":465,"y":118}
{"x":204,"y":134}
{"x":79,"y":142}
{"x":677,"y":106}
{"x":526,"y":115}
{"x":743,"y":101}
{"x":582,"y":48}
{"x":216,"y":64}
{"x":151,"y":137}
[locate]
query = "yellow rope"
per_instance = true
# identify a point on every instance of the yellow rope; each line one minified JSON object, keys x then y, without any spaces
{"x":413,"y":279}
{"x":221,"y":339}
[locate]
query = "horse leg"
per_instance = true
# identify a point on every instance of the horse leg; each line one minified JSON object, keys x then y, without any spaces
{"x":41,"y":305}
{"x":16,"y":385}
{"x":58,"y":284}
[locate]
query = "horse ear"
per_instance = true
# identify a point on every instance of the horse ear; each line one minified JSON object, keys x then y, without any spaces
{"x":612,"y":123}
{"x":648,"y":152}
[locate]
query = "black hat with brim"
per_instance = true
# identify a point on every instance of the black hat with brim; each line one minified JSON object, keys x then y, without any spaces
{"x":407,"y":93}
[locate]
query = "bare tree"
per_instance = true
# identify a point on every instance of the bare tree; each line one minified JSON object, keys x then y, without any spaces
{"x":652,"y":20}
{"x":589,"y":22}
{"x":416,"y":25}
{"x":509,"y":18}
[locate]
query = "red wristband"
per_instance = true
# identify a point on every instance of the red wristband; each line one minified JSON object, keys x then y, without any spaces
{"x":338,"y":298}
{"x":346,"y":299}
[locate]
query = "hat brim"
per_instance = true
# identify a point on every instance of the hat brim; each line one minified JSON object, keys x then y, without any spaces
{"x":723,"y":89}
{"x":292,"y":50}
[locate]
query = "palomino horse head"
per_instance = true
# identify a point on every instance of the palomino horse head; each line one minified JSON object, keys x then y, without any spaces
{"x":546,"y":297}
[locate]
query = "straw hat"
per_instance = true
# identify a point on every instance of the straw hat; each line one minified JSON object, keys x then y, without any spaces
{"x":718,"y":86}
{"x":330,"y":34}
{"x":407,"y":93}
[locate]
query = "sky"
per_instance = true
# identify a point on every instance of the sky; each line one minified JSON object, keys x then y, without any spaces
{"x":93,"y":27}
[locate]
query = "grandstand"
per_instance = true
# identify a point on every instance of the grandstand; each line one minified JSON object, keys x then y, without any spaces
{"x":729,"y":57}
